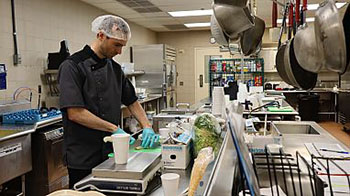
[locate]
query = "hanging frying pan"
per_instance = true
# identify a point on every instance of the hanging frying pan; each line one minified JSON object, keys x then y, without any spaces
{"x":346,"y":25}
{"x":330,"y":36}
{"x":233,"y":20}
{"x":282,"y":57}
{"x":217,"y":32}
{"x":281,"y":50}
{"x":240,"y":3}
{"x":252,"y":37}
{"x":304,"y":79}
{"x":280,"y":63}
{"x":305,"y":47}
{"x":288,"y":66}
{"x":297,"y":76}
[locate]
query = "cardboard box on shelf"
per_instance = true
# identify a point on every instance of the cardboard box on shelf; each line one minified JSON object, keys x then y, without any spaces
{"x":176,"y":156}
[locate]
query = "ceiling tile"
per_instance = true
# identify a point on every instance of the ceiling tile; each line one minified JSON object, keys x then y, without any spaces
{"x":155,"y":21}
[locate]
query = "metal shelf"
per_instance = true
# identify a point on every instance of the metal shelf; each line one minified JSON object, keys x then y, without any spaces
{"x":231,"y":63}
{"x":51,"y":71}
{"x":135,"y":73}
{"x":245,"y":72}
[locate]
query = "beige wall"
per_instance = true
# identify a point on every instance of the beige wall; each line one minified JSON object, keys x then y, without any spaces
{"x":41,"y":25}
{"x":186,"y":42}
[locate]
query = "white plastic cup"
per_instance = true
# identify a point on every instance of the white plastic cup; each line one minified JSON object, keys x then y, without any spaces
{"x":120,"y":147}
{"x":274,"y":148}
{"x":170,"y":183}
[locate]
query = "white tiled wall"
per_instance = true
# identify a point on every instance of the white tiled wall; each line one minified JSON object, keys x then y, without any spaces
{"x":41,"y":25}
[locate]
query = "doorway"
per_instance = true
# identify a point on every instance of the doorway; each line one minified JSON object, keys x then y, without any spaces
{"x":202,"y":57}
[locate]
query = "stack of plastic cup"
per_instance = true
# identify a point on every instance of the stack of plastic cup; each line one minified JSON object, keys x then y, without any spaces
{"x":218,"y":100}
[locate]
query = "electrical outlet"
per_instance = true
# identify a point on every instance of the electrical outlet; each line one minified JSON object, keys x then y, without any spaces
{"x":17,"y":59}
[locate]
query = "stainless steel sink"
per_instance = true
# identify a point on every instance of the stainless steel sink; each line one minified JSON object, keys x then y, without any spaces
{"x":296,"y":128}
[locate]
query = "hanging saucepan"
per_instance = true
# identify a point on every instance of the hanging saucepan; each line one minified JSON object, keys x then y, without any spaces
{"x":330,"y":36}
{"x":251,"y":38}
{"x":300,"y":77}
{"x":217,"y":32}
{"x":305,"y":47}
{"x":240,"y":3}
{"x":232,"y":19}
{"x":346,"y":26}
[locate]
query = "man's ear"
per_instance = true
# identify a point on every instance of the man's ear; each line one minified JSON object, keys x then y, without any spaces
{"x":100,"y":36}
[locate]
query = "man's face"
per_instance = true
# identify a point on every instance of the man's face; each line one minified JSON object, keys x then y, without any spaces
{"x":111,"y":47}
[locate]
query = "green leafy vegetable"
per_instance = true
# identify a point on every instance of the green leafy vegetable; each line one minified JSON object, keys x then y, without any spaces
{"x":208,"y":122}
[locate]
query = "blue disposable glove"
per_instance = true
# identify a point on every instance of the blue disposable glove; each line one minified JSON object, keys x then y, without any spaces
{"x":149,"y":138}
{"x":121,"y":131}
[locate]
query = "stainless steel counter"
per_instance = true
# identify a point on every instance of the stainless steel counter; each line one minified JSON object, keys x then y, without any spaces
{"x":15,"y":149}
{"x":295,"y":135}
{"x":265,"y":112}
{"x":295,"y":142}
{"x":224,"y":173}
{"x":315,"y":90}
{"x":9,"y":131}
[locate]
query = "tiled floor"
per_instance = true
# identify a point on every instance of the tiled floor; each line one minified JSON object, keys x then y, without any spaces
{"x":336,"y":130}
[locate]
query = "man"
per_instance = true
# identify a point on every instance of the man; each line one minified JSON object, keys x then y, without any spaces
{"x":92,"y":89}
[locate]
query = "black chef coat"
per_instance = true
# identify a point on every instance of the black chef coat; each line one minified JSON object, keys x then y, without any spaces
{"x":100,"y":86}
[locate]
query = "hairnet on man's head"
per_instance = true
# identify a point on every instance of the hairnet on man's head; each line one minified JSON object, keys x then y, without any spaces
{"x":112,"y":26}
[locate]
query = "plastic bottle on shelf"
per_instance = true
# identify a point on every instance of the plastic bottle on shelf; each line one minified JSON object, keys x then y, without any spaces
{"x":238,"y":66}
{"x":228,"y":67}
{"x":258,"y":66}
{"x":218,"y":68}
{"x":224,"y":66}
{"x":245,"y":66}
{"x":253,"y":66}
{"x":213,"y":66}
{"x":256,"y":80}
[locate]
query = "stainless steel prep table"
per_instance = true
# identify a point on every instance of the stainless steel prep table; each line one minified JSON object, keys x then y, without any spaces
{"x":264,"y":113}
{"x":328,"y":96}
{"x":295,"y":142}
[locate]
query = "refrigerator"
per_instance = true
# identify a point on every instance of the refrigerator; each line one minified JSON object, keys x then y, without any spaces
{"x":159,"y":63}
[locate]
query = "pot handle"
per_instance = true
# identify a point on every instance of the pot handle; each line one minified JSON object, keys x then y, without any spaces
{"x":297,"y":13}
{"x":283,"y":24}
{"x":290,"y":21}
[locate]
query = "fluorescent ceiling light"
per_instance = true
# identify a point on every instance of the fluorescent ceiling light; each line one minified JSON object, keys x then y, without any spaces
{"x":191,"y":13}
{"x":203,"y":24}
{"x":315,"y":6}
{"x":312,"y":19}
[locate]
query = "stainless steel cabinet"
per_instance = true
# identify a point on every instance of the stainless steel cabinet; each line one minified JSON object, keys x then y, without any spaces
{"x":159,"y":63}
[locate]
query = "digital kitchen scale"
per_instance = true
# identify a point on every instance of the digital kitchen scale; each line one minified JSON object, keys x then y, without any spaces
{"x":131,"y":178}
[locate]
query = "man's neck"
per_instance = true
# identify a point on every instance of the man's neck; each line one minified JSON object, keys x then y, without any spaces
{"x":95,"y":47}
